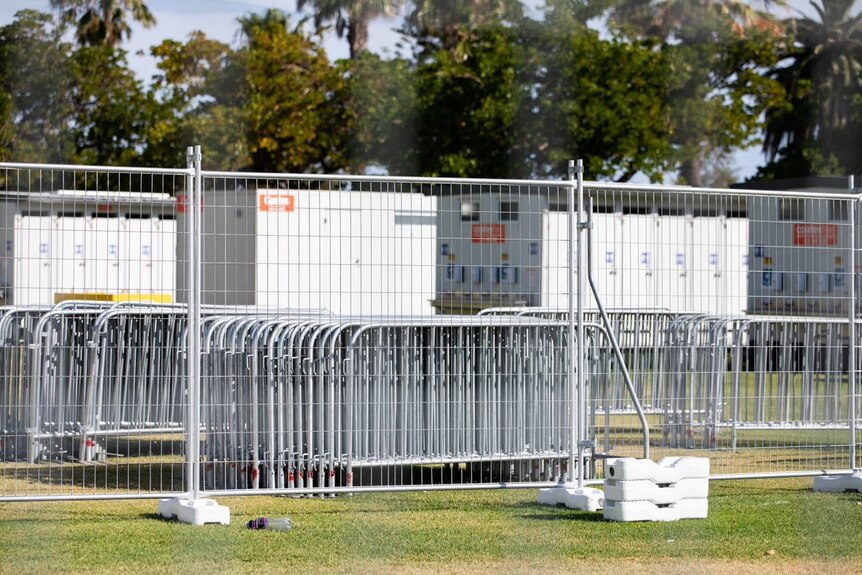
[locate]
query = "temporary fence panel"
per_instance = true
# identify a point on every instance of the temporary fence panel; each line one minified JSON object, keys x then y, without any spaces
{"x":92,"y":386}
{"x":319,"y":352}
{"x":758,"y":395}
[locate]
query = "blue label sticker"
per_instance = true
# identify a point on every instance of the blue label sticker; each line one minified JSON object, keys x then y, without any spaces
{"x":839,"y":277}
{"x":79,"y":249}
{"x":145,"y":250}
{"x":8,"y":246}
{"x":534,"y":248}
{"x":680,"y":259}
{"x":444,"y":249}
{"x":113,"y":249}
{"x":713,"y":260}
{"x":43,"y":249}
{"x":609,"y":258}
{"x":745,"y":260}
{"x":645,"y":258}
{"x":766,"y":278}
{"x":758,"y":251}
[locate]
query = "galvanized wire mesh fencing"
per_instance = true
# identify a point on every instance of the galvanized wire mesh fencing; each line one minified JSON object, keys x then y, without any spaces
{"x":185,"y":331}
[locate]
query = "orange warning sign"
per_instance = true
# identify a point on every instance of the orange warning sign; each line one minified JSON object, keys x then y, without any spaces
{"x":276,"y":202}
{"x":817,"y":235}
{"x":489,"y":233}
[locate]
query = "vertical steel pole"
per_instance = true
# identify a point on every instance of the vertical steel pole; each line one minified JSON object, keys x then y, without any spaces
{"x":194,"y":332}
{"x":191,"y":487}
{"x":571,"y":367}
{"x":851,"y":357}
{"x":582,"y":291}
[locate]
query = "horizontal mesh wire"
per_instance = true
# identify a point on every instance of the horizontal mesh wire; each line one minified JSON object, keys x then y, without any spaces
{"x":379,"y":333}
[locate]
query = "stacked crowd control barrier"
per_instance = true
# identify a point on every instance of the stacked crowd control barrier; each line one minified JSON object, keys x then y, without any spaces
{"x":310,"y":400}
{"x":80,"y":372}
{"x":288,"y":399}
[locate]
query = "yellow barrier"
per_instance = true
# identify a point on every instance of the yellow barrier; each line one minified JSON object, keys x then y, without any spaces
{"x":113,"y":297}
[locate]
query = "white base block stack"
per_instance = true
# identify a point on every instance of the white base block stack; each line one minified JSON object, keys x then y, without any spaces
{"x":839,"y":483}
{"x":194,"y":511}
{"x":643,"y":490}
{"x":585,"y":498}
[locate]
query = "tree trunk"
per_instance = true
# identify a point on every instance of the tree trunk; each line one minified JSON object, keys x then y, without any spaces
{"x":357,"y":36}
{"x":691,"y":171}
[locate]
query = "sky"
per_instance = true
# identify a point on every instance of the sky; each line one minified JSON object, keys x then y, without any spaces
{"x":175,"y":19}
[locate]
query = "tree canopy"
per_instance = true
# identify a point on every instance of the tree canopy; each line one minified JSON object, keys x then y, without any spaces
{"x":665,"y":88}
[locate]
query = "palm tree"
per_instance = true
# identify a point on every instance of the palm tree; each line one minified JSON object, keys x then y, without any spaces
{"x":270,"y":21}
{"x":680,"y":18}
{"x":449,"y":22}
{"x":821,"y":73}
{"x":351,"y":17}
{"x":103,"y":21}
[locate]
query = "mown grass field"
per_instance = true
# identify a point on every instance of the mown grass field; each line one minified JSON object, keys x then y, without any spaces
{"x":764,"y":526}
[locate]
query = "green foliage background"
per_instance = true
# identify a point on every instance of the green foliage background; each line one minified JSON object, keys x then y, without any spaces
{"x":669,"y":88}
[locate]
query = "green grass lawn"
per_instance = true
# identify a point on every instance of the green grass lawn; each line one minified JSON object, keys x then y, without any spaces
{"x":753,"y":526}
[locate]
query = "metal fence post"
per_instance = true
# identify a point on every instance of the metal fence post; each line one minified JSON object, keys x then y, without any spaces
{"x":572,"y":367}
{"x":582,"y":290}
{"x":851,"y":358}
{"x":194,"y":318}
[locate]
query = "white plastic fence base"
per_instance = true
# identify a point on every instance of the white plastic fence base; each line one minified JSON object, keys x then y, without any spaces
{"x":668,"y":470}
{"x":839,"y":483}
{"x":584,"y":499}
{"x":645,"y":490}
{"x":648,"y":511}
{"x":658,"y":493}
{"x":196,"y":512}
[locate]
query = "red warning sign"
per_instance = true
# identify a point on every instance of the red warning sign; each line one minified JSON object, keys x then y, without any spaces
{"x":816,"y":235}
{"x":489,"y":233}
{"x":182,"y":203}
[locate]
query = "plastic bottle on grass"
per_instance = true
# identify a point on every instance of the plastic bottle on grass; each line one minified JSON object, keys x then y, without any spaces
{"x":275,"y":524}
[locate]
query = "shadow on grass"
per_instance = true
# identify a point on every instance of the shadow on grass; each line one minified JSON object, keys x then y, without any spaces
{"x":568,"y":515}
{"x":90,"y":478}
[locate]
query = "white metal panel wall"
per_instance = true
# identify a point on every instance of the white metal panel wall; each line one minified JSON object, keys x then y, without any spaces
{"x":357,"y":253}
{"x":164,"y":258}
{"x":34,"y":272}
{"x":605,"y":252}
{"x":736,"y":267}
{"x":107,"y":247}
{"x":134,"y":278}
{"x":674,"y":260}
{"x":69,"y":244}
{"x":708,"y":235}
{"x":555,"y":250}
{"x":638,"y":243}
